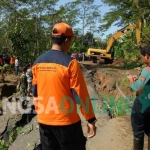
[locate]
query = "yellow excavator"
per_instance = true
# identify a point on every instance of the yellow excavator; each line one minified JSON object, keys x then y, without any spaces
{"x":105,"y":54}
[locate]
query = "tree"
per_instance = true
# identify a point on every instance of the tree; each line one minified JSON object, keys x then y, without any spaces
{"x":124,"y":12}
{"x":87,"y":14}
{"x":26,"y":25}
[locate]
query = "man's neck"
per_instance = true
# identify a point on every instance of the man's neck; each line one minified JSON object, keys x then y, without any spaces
{"x":56,"y":47}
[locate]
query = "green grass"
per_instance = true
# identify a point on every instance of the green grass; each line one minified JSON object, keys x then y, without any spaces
{"x":12,"y":136}
{"x":109,"y":72}
{"x":131,"y":65}
{"x":125,"y":82}
{"x":113,"y":85}
{"x":3,"y":145}
{"x":117,"y":107}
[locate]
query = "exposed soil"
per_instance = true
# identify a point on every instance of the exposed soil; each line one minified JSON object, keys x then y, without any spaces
{"x":105,"y":78}
{"x":115,"y":133}
{"x":112,"y":134}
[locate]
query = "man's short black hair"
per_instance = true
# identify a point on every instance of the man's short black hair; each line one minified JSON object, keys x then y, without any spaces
{"x":58,"y":39}
{"x":145,"y":50}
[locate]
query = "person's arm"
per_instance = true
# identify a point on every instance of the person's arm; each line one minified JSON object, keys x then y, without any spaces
{"x":141,"y":81}
{"x":34,"y":82}
{"x":18,"y":85}
{"x":77,"y":83}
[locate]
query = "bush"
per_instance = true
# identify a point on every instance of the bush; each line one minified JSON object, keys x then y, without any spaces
{"x":118,"y":107}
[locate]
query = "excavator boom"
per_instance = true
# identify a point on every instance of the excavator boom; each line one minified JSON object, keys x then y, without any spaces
{"x":104,"y":53}
{"x":138,"y":32}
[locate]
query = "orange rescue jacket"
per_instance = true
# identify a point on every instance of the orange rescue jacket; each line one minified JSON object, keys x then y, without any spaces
{"x":58,"y":85}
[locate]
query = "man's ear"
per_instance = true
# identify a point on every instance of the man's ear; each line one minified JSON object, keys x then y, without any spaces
{"x":69,"y":39}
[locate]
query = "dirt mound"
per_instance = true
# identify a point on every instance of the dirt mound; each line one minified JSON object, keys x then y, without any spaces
{"x":109,"y":79}
{"x":118,"y":62}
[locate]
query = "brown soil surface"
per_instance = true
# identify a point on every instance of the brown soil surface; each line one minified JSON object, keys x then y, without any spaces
{"x":112,"y":134}
{"x":116,"y":133}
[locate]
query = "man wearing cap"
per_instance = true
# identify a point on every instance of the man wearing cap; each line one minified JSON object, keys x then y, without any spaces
{"x":58,"y":86}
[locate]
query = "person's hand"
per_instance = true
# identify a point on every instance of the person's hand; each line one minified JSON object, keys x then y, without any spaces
{"x":132,"y":77}
{"x":91,"y":128}
{"x":135,"y":78}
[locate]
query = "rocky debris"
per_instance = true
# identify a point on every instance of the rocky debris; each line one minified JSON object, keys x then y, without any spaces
{"x":6,"y":92}
{"x":28,"y":137}
{"x":14,"y":117}
{"x":7,"y":116}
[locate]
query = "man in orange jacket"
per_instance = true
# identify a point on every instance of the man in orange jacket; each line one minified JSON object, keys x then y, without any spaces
{"x":12,"y":62}
{"x":58,"y":86}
